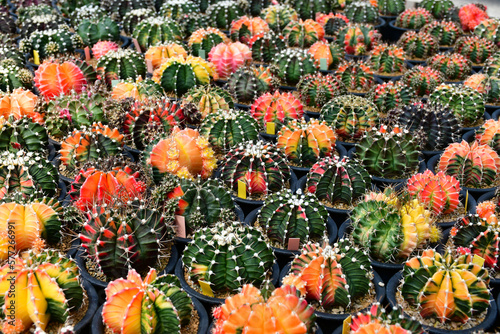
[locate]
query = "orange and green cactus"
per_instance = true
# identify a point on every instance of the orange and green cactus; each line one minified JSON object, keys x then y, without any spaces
{"x":387,"y":59}
{"x":451,"y":288}
{"x":279,"y":108}
{"x":243,"y":29}
{"x":331,"y":22}
{"x":446,"y":32}
{"x":489,"y":29}
{"x":154,"y":304}
{"x":285,"y":311}
{"x":205,"y":39}
{"x":158,"y":53}
{"x":208,"y":100}
{"x":303,"y":34}
{"x":333,"y":276}
{"x":489,"y":134}
{"x":488,"y":85}
{"x":378,"y":320}
{"x":47,"y":287}
{"x":390,"y":95}
{"x":475,"y":48}
{"x":53,"y":79}
{"x":30,"y":222}
{"x":358,"y":39}
{"x":422,"y":79}
{"x":474,"y":165}
{"x":471,"y":15}
{"x":184,"y":153}
{"x":317,"y":89}
{"x":89,"y":144}
{"x":278,"y":16}
{"x":356,"y":76}
{"x":139,"y":90}
{"x":306,"y":142}
{"x":413,"y":18}
{"x":332,"y":52}
{"x":453,"y":66}
{"x":440,"y":191}
{"x":228,"y":57}
{"x":19,"y":103}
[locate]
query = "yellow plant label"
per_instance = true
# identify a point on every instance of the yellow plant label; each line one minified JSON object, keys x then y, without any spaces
{"x":206,"y":289}
{"x":478,"y":260}
{"x":346,"y":327}
{"x":270,"y":128}
{"x":36,"y":57}
{"x":242,"y":189}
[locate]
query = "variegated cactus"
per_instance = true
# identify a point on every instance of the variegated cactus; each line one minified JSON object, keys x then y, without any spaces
{"x":278,"y":16}
{"x":454,"y":66}
{"x":446,"y":32}
{"x":227,"y":58}
{"x":489,"y":29}
{"x":358,"y":39}
{"x":317,"y":89}
{"x":488,"y":85}
{"x":413,"y":18}
{"x":205,"y":39}
{"x":376,"y":319}
{"x":332,"y":52}
{"x":390,"y":95}
{"x":489,"y":134}
{"x":303,"y":34}
{"x":23,"y":133}
{"x":278,"y":108}
{"x":208,"y":100}
{"x":356,"y":76}
{"x":422,"y":79}
{"x":266,"y":45}
{"x":54,"y":79}
{"x":332,"y":22}
{"x":418,"y":45}
{"x":248,"y":83}
{"x":19,"y":103}
{"x":160,"y":52}
{"x":387,"y":59}
{"x":243,"y":29}
{"x":471,"y":15}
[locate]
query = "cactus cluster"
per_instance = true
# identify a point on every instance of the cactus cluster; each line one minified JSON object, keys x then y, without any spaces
{"x":423,"y":80}
{"x":40,"y":23}
{"x":414,"y":18}
{"x":453,"y":66}
{"x":475,"y":48}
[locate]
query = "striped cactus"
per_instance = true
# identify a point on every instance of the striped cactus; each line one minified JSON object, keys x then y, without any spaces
{"x":279,"y":108}
{"x":446,"y":32}
{"x":23,"y":134}
{"x":489,"y":134}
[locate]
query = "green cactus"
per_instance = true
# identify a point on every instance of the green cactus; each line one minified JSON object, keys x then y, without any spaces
{"x":475,"y":48}
{"x":205,"y":39}
{"x":438,"y":8}
{"x":418,"y":46}
{"x":91,"y":12}
{"x":356,"y":76}
{"x":390,"y":95}
{"x":317,"y":89}
{"x":454,"y":66}
{"x":422,"y":80}
{"x":50,"y":42}
{"x":414,"y":18}
{"x":23,"y":134}
{"x":7,"y":23}
{"x":391,"y":7}
{"x":209,"y":99}
{"x":134,"y":17}
{"x":358,"y":39}
{"x":292,"y":64}
{"x":446,"y":32}
{"x":121,"y":64}
{"x":40,"y":23}
{"x":361,"y":12}
{"x":307,"y":9}
{"x":177,"y":9}
{"x":278,"y":16}
{"x":12,"y":77}
{"x":387,"y":59}
{"x":104,"y":29}
{"x":492,"y":65}
{"x":156,"y":30}
{"x":119,"y":8}
{"x":222,"y":13}
{"x":34,"y":9}
{"x":265,"y":46}
{"x":10,"y":55}
{"x":248,"y":83}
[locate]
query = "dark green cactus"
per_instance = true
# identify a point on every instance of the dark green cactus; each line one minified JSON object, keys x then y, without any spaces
{"x":40,"y":23}
{"x":12,"y":77}
{"x":91,"y":12}
{"x":390,"y":95}
{"x":227,"y":128}
{"x":265,"y":46}
{"x":10,"y":55}
{"x":134,"y":17}
{"x":177,"y":9}
{"x":387,"y":59}
{"x":307,"y":9}
{"x":438,"y":8}
{"x":334,"y":24}
{"x":435,"y":125}
{"x":257,"y":6}
{"x":391,"y":7}
{"x":26,"y":12}
{"x":292,"y":64}
{"x":361,"y":12}
{"x":50,"y":42}
{"x":391,"y":154}
{"x":121,"y":64}
{"x":317,"y":89}
{"x":101,"y":30}
{"x":7,"y":23}
{"x":192,"y":22}
{"x":155,"y":30}
{"x":222,"y":13}
{"x":285,"y":215}
{"x":338,"y":181}
{"x":248,"y":83}
{"x":418,"y":46}
{"x":118,"y":8}
{"x":205,"y":39}
{"x":228,"y":256}
{"x":129,"y":236}
{"x":23,"y":134}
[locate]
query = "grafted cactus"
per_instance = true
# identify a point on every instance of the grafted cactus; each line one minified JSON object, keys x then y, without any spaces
{"x":121,"y":64}
{"x":356,"y":76}
{"x":361,"y":12}
{"x":19,"y":103}
{"x":332,"y":52}
{"x":422,"y":79}
{"x":317,"y":89}
{"x":438,"y":8}
{"x":248,"y":83}
{"x":331,"y":22}
{"x":338,"y":181}
{"x":103,"y":29}
{"x":358,"y":39}
{"x":489,"y":29}
{"x":101,"y":48}
{"x":446,"y":32}
{"x":13,"y":77}
{"x":477,"y":49}
{"x":471,"y":15}
{"x":454,"y":66}
{"x":489,"y":134}
{"x":205,"y":39}
{"x":266,"y":45}
{"x":243,"y":29}
{"x":390,"y":95}
{"x":303,"y":34}
{"x":279,"y":108}
{"x":227,"y":58}
{"x":376,"y":319}
{"x":154,"y":30}
{"x":23,"y":133}
{"x":487,"y":85}
{"x":208,"y":100}
{"x":278,"y":16}
{"x":413,"y":18}
{"x":54,"y":79}
{"x":492,"y":65}
{"x":387,"y":59}
{"x":418,"y":46}
{"x":227,"y":256}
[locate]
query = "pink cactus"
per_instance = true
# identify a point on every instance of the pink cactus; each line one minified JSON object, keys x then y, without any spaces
{"x":101,"y":48}
{"x":227,"y":58}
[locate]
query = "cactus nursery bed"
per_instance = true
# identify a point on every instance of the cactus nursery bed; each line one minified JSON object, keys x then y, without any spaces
{"x":249,"y":167}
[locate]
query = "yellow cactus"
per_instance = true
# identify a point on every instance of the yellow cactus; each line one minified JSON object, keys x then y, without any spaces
{"x":202,"y":69}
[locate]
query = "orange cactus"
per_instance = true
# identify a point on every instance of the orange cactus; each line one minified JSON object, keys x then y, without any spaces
{"x":303,"y":34}
{"x":227,"y":58}
{"x":279,"y":108}
{"x":161,"y":52}
{"x":330,"y":52}
{"x":246,"y":27}
{"x":470,"y":16}
{"x":53,"y":79}
{"x":487,"y":210}
{"x":323,"y":18}
{"x":489,"y":134}
{"x":184,"y":153}
{"x":19,"y":103}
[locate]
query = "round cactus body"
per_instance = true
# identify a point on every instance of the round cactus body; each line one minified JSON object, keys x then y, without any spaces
{"x":279,"y":108}
{"x":247,"y":84}
{"x":446,"y":32}
{"x":266,"y":45}
{"x":293,"y":64}
{"x":317,"y":89}
{"x":356,"y":76}
{"x":390,"y":7}
{"x":454,"y":66}
{"x":361,"y":12}
{"x":156,"y":30}
{"x":132,"y":19}
{"x":438,"y":8}
{"x":308,"y":9}
{"x":139,"y":90}
{"x":489,"y":134}
{"x":205,"y":39}
{"x":332,"y":52}
{"x":121,"y":64}
{"x":303,"y":34}
{"x":390,"y":95}
{"x":102,"y":30}
{"x":387,"y":59}
{"x":222,"y":13}
{"x":475,"y":48}
{"x":418,"y":46}
{"x":278,"y":16}
{"x":54,"y":79}
{"x":227,"y":58}
{"x":471,"y":15}
{"x":19,"y":103}
{"x":13,"y":77}
{"x":177,"y":9}
{"x":414,"y":18}
{"x":23,"y":133}
{"x":358,"y":39}
{"x":50,"y":42}
{"x":159,"y":53}
{"x":487,"y":85}
{"x":422,"y":80}
{"x":332,"y":23}
{"x":209,"y":99}
{"x":489,"y":29}
{"x":492,"y":65}
{"x":101,"y":48}
{"x":243,"y":29}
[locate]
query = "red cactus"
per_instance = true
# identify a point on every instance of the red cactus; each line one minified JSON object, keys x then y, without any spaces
{"x":101,"y":48}
{"x":53,"y":79}
{"x":278,"y":107}
{"x":471,"y":15}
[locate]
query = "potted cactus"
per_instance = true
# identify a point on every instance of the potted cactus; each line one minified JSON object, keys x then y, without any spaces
{"x":412,"y":19}
{"x":489,"y":134}
{"x":292,"y":64}
{"x":23,"y":133}
{"x":363,"y":12}
{"x":358,"y":39}
{"x":455,"y":67}
{"x":390,"y":95}
{"x":265,"y":46}
{"x":201,"y":101}
{"x":159,"y":52}
{"x":332,"y":23}
{"x":488,"y":86}
{"x":471,"y":15}
{"x":278,"y":16}
{"x":316,"y":90}
{"x":492,"y":64}
{"x":205,"y":39}
{"x":248,"y":83}
{"x":489,"y":29}
{"x":438,"y":8}
{"x":422,"y":80}
{"x":20,"y":103}
{"x":332,"y":52}
{"x":418,"y":46}
{"x":387,"y":61}
{"x":243,"y":29}
{"x":357,"y":76}
{"x":221,"y":14}
{"x":121,"y":64}
{"x":476,"y":49}
{"x":446,"y":32}
{"x":228,"y":57}
{"x":98,"y":29}
{"x":303,"y":34}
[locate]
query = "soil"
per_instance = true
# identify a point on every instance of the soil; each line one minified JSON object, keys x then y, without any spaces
{"x":357,"y":305}
{"x":459,"y":213}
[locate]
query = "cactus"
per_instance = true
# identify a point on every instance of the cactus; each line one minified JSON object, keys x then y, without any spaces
{"x":184,"y":153}
{"x":7,"y":23}
{"x":438,"y":8}
{"x":474,"y":165}
{"x":390,"y":7}
{"x":222,"y":13}
{"x":303,"y":34}
{"x":466,"y":103}
{"x":227,"y":128}
{"x":208,"y":100}
{"x":176,"y":9}
{"x":246,"y":84}
{"x":205,"y":39}
{"x":390,"y":229}
{"x":134,"y":17}
{"x":361,"y":12}
{"x":308,"y":9}
{"x":285,"y":215}
{"x":387,"y":59}
{"x":54,"y":79}
{"x":121,"y":64}
{"x":453,"y":66}
{"x":489,"y":86}
{"x":489,"y":134}
{"x":119,"y":8}
{"x":379,"y":320}
{"x":489,"y":29}
{"x":19,"y":103}
{"x":105,"y":184}
{"x":28,"y":10}
{"x":418,"y":46}
{"x":10,"y":55}
{"x":159,"y":53}
{"x":178,"y":75}
{"x":50,"y":42}
{"x":89,"y":12}
{"x":422,"y":80}
{"x":92,"y":143}
{"x":304,"y":143}
{"x":49,"y":276}
{"x":101,"y":48}
{"x":435,"y":126}
{"x":492,"y":65}
{"x":462,"y":283}
{"x":154,"y":30}
{"x":358,"y":39}
{"x":350,"y":116}
{"x":390,"y":95}
{"x":475,"y":48}
{"x":139,"y":90}
{"x":243,"y":29}
{"x":227,"y":256}
{"x":471,"y":15}
{"x":332,"y":276}
{"x":446,"y":32}
{"x":31,"y":221}
{"x":283,"y":312}
{"x":26,"y":173}
{"x":413,"y":18}
{"x":12,"y":77}
{"x":439,"y":191}
{"x":293,"y":64}
{"x":338,"y":181}
{"x":40,"y":23}
{"x":317,"y":89}
{"x":332,"y":23}
{"x":103,"y":29}
{"x":278,"y":16}
{"x":124,"y":237}
{"x":23,"y":133}
{"x":356,"y":76}
{"x":261,"y":166}
{"x":227,"y":58}
{"x":279,"y":108}
{"x":389,"y":153}
{"x":166,"y":302}
{"x":332,"y":52}
{"x":265,"y":46}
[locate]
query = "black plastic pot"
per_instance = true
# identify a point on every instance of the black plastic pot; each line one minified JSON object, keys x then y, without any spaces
{"x":82,"y":326}
{"x":496,"y":115}
{"x":135,"y":153}
{"x":98,"y":326}
{"x":242,"y":106}
{"x":284,"y":256}
{"x":355,"y":57}
{"x":98,"y":284}
{"x":475,"y":192}
{"x":486,"y":197}
{"x":56,"y":144}
{"x":394,"y":33}
{"x":488,"y":322}
{"x":302,"y":171}
{"x":328,"y":322}
{"x":209,"y":302}
{"x":469,"y":136}
{"x":397,"y":183}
